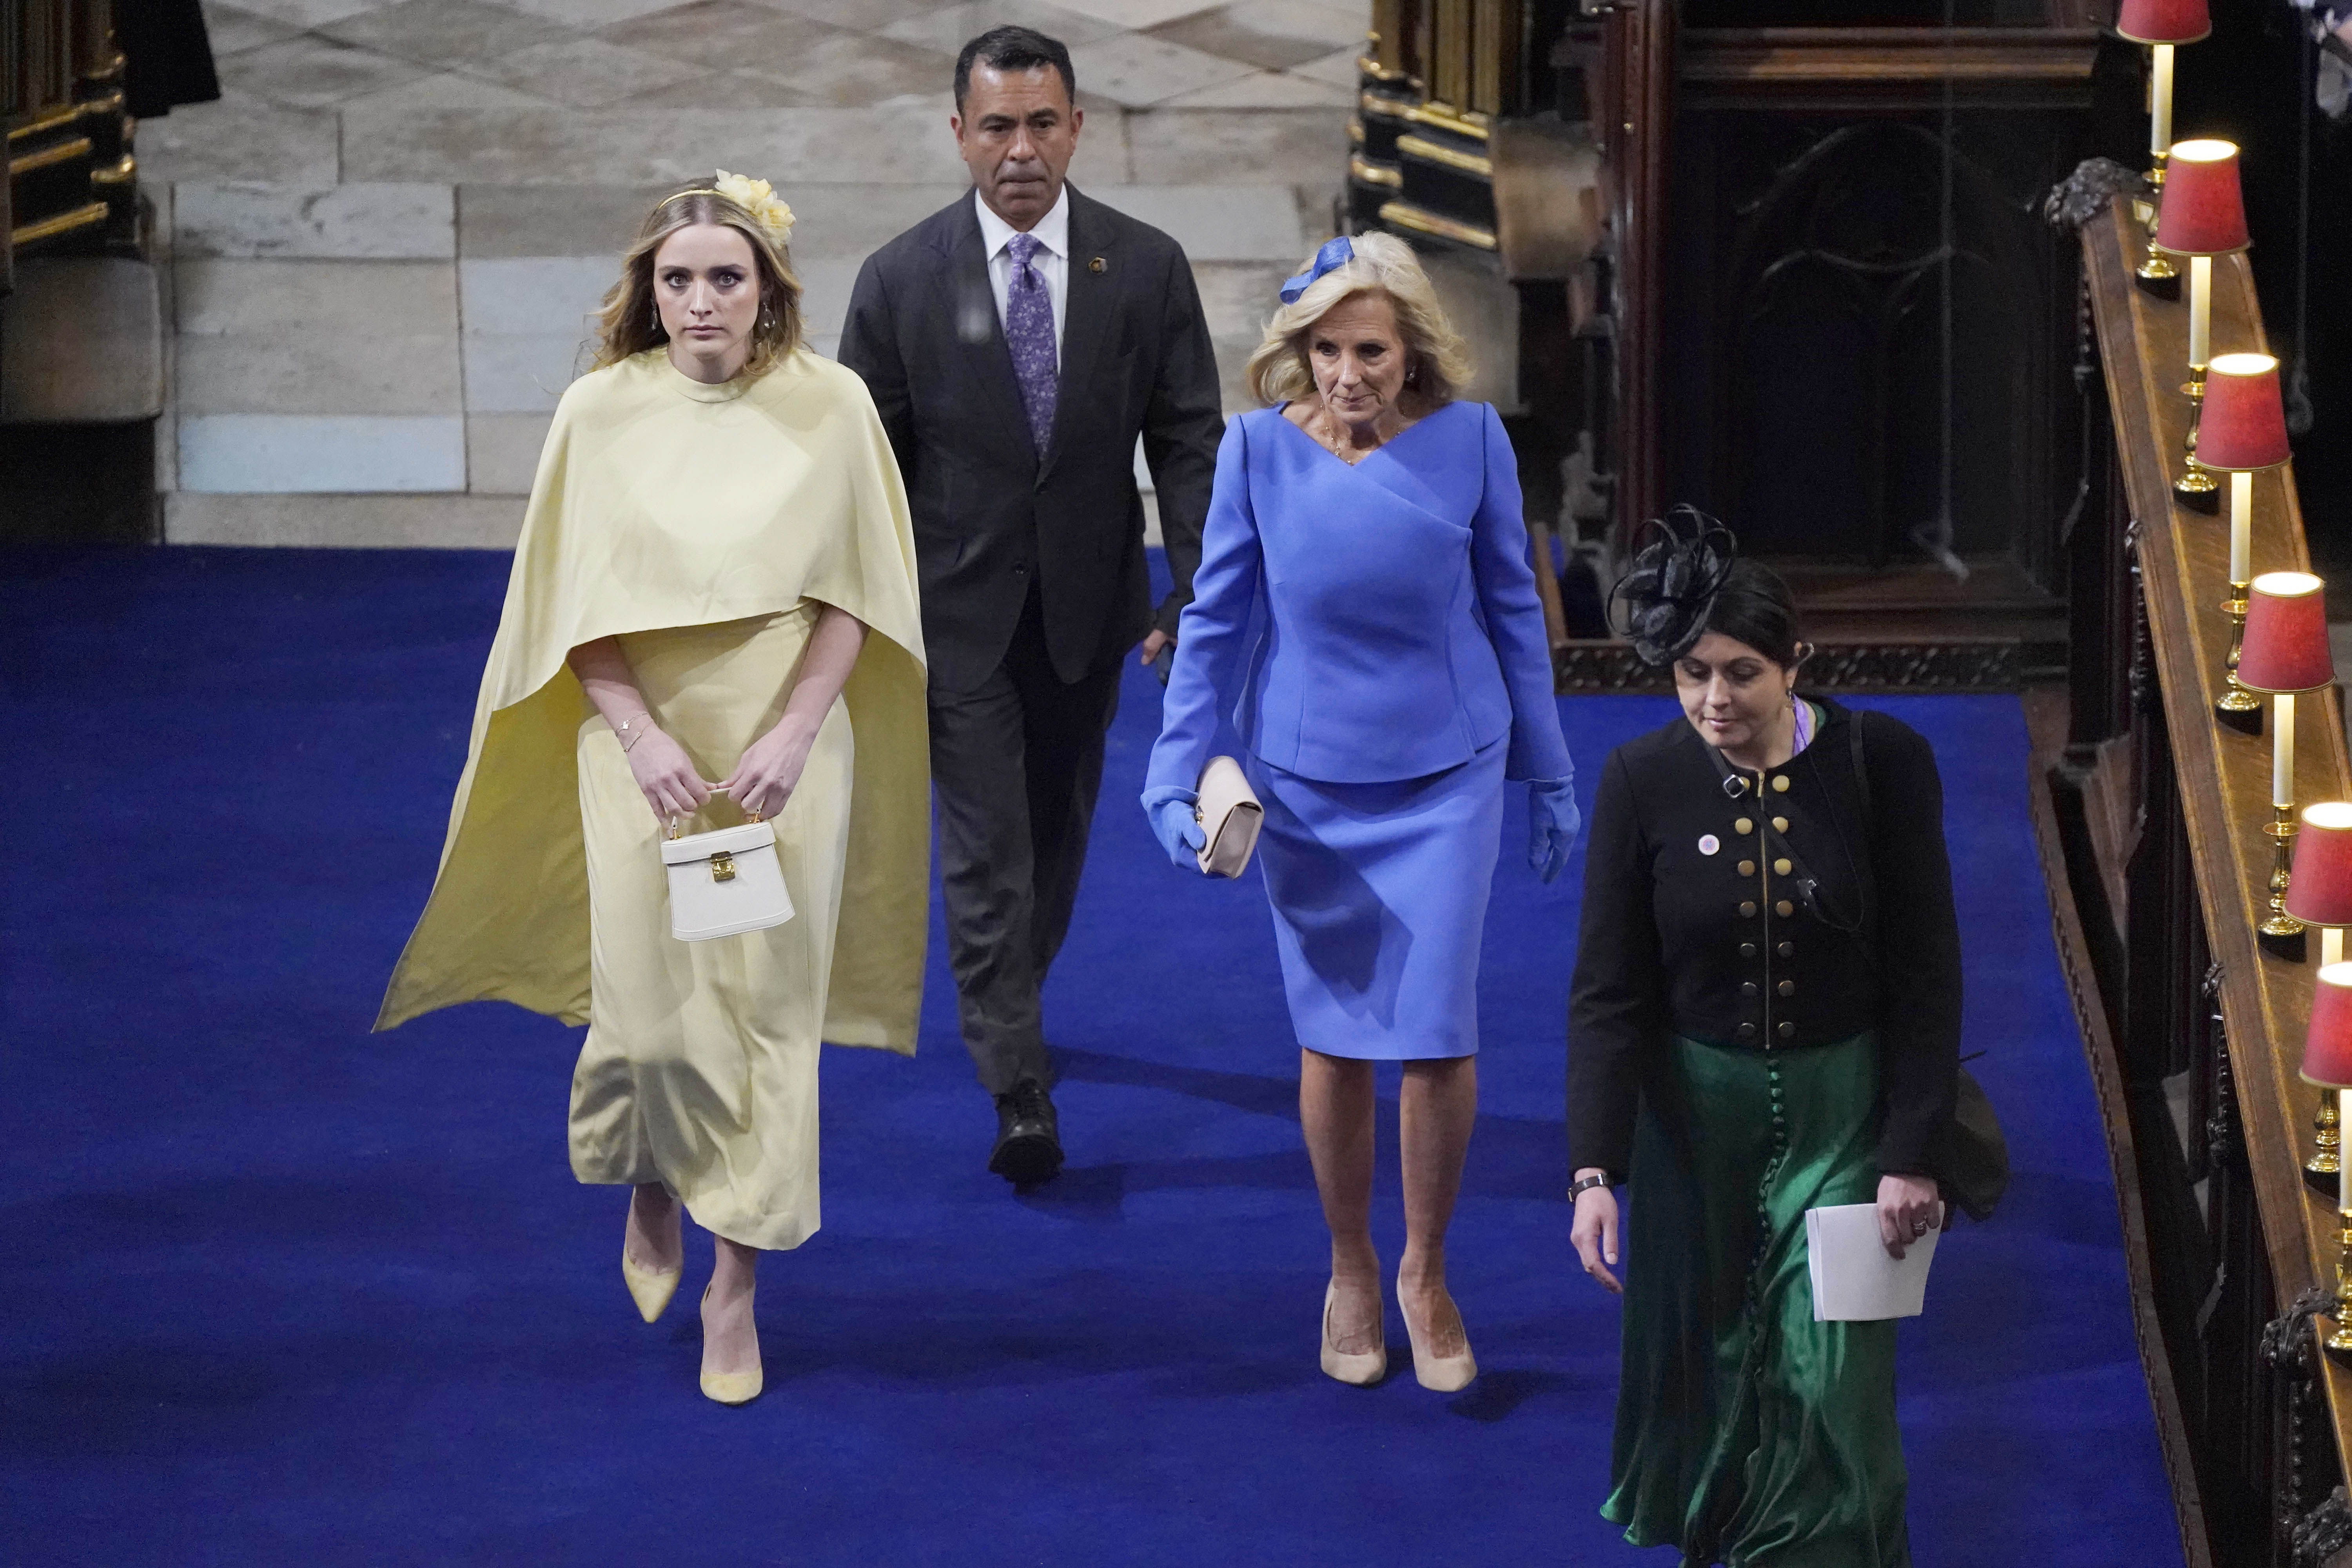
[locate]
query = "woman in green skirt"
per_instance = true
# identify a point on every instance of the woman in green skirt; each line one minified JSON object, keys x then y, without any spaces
{"x":1765,"y":1020}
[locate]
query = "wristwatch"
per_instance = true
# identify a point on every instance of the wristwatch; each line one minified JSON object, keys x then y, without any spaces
{"x":1578,"y":1188}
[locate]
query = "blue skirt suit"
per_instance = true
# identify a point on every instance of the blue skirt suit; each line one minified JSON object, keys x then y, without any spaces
{"x":1399,"y":674}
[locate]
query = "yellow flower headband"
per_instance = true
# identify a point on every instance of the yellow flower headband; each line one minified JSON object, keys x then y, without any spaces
{"x":754,"y":197}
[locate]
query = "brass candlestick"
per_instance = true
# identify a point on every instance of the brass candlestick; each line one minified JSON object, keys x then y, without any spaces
{"x":2237,"y":699}
{"x":2339,"y":1338}
{"x":2196,"y":482}
{"x":2282,"y":832}
{"x":2324,"y":1169}
{"x":2156,"y":266}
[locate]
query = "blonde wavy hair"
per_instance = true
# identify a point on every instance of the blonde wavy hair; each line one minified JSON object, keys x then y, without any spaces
{"x":1437,"y":364}
{"x":630,"y":322}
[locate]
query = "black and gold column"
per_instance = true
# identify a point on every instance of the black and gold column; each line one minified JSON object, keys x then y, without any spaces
{"x":72,"y":177}
{"x":1387,"y":91}
{"x":1436,"y":74}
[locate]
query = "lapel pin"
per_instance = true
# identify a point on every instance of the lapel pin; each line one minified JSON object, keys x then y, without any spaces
{"x":1097,"y":265}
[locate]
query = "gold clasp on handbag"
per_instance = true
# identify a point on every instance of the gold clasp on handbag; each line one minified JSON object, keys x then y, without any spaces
{"x":722,"y":867}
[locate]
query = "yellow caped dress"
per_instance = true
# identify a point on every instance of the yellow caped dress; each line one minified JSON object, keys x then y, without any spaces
{"x":704,"y":527}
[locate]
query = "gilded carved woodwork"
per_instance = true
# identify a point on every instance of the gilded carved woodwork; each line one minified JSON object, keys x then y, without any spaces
{"x":1435,"y":76}
{"x":72,"y":170}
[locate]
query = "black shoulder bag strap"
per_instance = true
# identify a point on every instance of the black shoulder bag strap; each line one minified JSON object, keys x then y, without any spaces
{"x":1866,"y":864}
{"x":1971,"y":1156}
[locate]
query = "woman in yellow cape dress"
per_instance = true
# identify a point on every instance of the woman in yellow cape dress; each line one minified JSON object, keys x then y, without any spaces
{"x":713,"y":609}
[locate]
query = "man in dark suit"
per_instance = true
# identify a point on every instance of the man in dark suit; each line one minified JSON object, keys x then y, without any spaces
{"x":1017,"y":343}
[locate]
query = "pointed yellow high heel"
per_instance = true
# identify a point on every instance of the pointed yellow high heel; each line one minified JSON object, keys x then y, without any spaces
{"x":650,"y":1290}
{"x":1362,"y":1369}
{"x":732,"y":1387}
{"x":1441,"y":1374}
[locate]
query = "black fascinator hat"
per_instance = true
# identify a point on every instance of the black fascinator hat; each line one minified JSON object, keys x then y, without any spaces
{"x":1680,"y":562}
{"x":1687,"y":579}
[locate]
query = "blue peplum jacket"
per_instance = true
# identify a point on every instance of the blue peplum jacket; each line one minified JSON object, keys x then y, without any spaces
{"x":1402,"y":634}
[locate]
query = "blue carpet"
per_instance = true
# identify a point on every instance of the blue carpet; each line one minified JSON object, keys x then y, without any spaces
{"x":279,"y":1291}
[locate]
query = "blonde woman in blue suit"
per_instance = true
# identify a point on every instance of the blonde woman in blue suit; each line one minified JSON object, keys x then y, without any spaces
{"x":1403,"y":676}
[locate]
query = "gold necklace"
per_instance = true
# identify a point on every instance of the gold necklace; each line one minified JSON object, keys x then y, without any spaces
{"x":1339,"y":448}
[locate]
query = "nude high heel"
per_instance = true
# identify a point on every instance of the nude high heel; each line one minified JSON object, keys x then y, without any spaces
{"x":650,"y":1289}
{"x":732,"y":1387}
{"x":1363,"y":1370}
{"x":1441,"y":1374}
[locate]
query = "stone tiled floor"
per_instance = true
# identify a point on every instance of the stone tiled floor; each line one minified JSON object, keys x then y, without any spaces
{"x":383,"y":244}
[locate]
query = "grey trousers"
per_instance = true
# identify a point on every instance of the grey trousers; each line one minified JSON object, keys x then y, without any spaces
{"x":1015,"y":766}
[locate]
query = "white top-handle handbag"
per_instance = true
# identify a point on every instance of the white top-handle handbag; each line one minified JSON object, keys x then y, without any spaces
{"x":1230,"y":816}
{"x":725,"y":882}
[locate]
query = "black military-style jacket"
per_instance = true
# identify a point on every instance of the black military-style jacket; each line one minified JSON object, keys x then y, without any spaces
{"x":1769,"y":912}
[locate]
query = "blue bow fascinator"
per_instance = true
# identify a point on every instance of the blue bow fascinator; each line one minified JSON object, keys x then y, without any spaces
{"x":1335,"y":253}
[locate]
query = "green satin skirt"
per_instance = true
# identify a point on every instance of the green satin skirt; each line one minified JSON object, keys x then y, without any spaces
{"x":1747,"y":1433}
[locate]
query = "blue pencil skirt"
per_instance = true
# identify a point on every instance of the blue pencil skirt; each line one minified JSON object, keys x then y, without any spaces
{"x":1379,"y":905}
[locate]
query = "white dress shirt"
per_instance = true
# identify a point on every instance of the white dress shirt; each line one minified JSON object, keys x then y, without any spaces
{"x":1052,"y":260}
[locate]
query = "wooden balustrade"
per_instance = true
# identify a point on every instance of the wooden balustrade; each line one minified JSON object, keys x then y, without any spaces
{"x":2151,"y":818}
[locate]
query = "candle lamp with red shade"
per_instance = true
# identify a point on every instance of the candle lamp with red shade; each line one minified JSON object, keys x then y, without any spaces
{"x":2285,"y":653}
{"x":2162,"y":25}
{"x":2320,"y":894}
{"x":2244,"y":432}
{"x":2328,"y":1065}
{"x":2203,"y":215}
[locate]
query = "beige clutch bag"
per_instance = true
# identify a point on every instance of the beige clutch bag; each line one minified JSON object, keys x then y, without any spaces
{"x":1230,"y":815}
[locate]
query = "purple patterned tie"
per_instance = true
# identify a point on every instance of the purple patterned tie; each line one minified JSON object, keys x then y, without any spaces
{"x":1029,"y":333}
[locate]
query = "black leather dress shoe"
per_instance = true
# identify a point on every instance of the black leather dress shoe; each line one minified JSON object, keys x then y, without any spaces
{"x":1028,"y":1136}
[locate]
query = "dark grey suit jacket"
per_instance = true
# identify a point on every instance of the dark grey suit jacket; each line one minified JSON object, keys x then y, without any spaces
{"x":988,"y":513}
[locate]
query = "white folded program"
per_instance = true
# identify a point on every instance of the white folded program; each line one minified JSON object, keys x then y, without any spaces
{"x":1855,"y":1278}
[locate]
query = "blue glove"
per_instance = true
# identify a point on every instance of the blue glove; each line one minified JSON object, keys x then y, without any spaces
{"x":1553,"y":822}
{"x":1172,"y":823}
